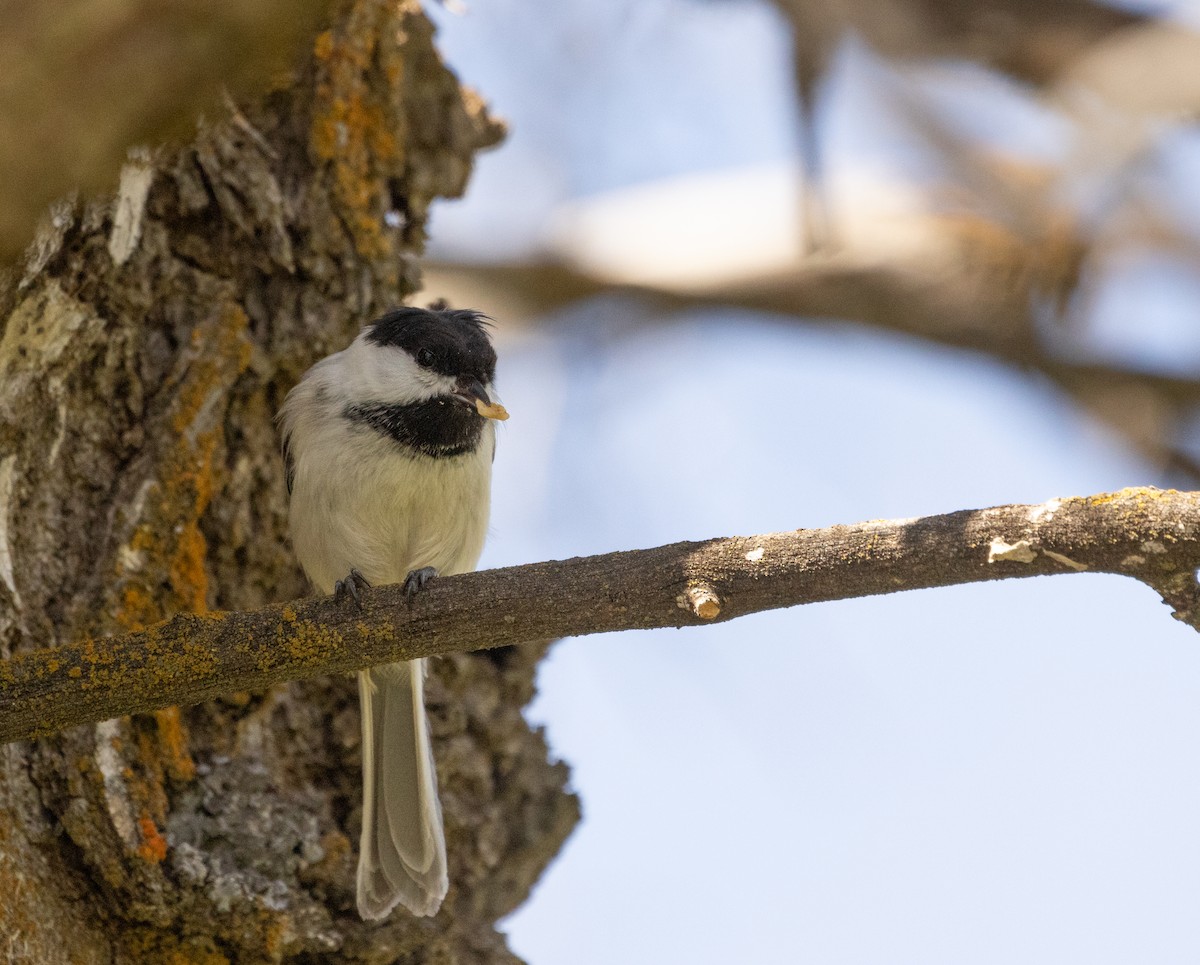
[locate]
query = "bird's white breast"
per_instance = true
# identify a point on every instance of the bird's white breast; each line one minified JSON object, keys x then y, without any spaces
{"x":361,"y":501}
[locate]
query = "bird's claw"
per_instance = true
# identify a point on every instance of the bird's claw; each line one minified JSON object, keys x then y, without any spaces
{"x":351,"y":587}
{"x":417,"y":580}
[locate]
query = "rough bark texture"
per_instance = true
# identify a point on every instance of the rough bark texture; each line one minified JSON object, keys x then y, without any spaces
{"x":1147,"y":534}
{"x":144,"y":349}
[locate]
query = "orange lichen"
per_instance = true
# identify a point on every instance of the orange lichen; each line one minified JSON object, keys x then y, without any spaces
{"x":275,"y":935}
{"x":146,"y":789}
{"x":156,"y":947}
{"x":189,"y":579}
{"x":137,"y":607}
{"x":224,"y":343}
{"x":190,"y":472}
{"x":356,"y":134}
{"x":172,"y":740}
{"x":323,"y":45}
{"x":153,"y":848}
{"x":168,"y":548}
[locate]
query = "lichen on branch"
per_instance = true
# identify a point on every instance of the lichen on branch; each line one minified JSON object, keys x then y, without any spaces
{"x":1147,"y":534}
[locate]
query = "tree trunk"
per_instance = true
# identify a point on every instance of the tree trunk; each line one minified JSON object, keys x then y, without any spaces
{"x":145,"y":347}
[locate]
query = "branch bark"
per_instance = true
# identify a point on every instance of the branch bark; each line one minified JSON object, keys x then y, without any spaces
{"x":1147,"y":534}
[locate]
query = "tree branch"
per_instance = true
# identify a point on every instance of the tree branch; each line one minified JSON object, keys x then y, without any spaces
{"x":1148,"y":534}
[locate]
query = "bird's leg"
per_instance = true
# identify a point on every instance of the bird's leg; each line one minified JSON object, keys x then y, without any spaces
{"x":350,"y":587}
{"x":418,"y":579}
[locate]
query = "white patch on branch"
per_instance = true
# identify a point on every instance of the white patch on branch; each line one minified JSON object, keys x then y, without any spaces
{"x":136,"y":176}
{"x":755,"y":554}
{"x":112,"y":767}
{"x":1044,"y":512}
{"x":8,"y":474}
{"x":1153,"y":546}
{"x":1001,"y":551}
{"x":1065,"y":561}
{"x":61,"y":435}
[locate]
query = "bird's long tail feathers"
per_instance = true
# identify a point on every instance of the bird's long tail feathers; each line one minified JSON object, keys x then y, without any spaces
{"x":402,"y":854}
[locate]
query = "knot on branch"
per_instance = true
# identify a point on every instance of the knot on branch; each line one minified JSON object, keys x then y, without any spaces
{"x":702,"y":600}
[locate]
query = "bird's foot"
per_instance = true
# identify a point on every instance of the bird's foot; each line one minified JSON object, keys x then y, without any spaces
{"x":351,"y":587}
{"x":417,"y":580}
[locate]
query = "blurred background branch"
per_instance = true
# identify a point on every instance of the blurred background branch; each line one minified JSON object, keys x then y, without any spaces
{"x":988,"y":244}
{"x":85,"y":80}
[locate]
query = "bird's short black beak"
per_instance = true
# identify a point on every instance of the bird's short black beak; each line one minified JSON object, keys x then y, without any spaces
{"x":470,"y":392}
{"x":468,"y":389}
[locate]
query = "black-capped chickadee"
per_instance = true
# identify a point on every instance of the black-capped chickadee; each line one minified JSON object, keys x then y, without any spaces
{"x":389,"y":448}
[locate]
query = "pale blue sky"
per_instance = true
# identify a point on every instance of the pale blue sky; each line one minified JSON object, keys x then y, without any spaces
{"x":994,"y":773}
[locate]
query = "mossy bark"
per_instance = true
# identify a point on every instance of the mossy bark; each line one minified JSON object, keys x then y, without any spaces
{"x":147,"y":342}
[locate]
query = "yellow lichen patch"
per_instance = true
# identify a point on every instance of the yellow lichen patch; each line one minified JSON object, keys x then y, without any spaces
{"x":193,"y":660}
{"x":308,"y":642}
{"x":276,"y":932}
{"x":323,"y":45}
{"x":1138,"y":494}
{"x":96,"y":653}
{"x":157,"y":947}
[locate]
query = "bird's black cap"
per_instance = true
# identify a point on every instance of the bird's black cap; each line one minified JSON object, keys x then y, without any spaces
{"x":452,"y":342}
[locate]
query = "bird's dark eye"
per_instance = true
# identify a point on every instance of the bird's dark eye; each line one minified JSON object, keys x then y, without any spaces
{"x":425,"y":358}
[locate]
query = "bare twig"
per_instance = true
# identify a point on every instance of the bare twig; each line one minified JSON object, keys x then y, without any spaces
{"x":1148,"y":534}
